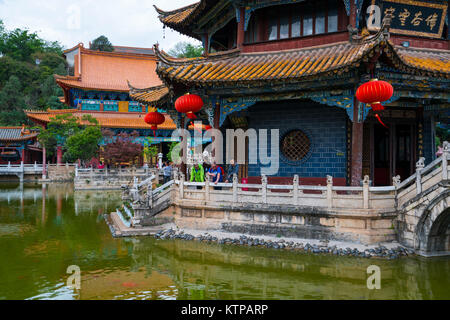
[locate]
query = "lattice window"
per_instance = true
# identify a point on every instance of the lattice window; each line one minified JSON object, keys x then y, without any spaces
{"x":295,"y":145}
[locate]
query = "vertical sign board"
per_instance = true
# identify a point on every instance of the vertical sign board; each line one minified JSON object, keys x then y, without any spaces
{"x":409,"y":17}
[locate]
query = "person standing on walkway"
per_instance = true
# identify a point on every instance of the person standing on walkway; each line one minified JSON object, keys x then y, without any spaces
{"x":167,"y":171}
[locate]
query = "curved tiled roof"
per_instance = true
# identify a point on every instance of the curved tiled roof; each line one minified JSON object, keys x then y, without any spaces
{"x":291,"y":65}
{"x":182,"y":19}
{"x":154,"y":96}
{"x":11,"y":134}
{"x":131,"y":120}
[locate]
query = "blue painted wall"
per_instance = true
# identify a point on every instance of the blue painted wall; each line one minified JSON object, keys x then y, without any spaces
{"x":325,"y":126}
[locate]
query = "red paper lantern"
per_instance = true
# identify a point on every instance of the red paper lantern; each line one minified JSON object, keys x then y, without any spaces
{"x":189,"y":104}
{"x":374,"y":93}
{"x":154,"y":119}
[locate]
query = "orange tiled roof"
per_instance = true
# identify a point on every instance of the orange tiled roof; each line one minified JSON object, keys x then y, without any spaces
{"x":290,"y":65}
{"x":155,"y":96}
{"x":111,"y":71}
{"x":131,"y":120}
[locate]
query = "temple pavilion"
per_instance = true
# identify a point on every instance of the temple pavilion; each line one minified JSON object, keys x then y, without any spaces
{"x":295,"y":66}
{"x":98,"y":85}
{"x":19,"y":144}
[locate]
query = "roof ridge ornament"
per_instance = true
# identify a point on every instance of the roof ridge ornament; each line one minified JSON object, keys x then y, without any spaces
{"x":382,"y":34}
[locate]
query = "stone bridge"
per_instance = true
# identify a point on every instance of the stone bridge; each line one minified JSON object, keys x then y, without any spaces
{"x":21,"y":170}
{"x":414,"y":212}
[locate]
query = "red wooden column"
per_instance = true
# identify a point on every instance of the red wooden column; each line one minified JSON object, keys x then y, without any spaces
{"x":357,"y":146}
{"x":59,"y":155}
{"x":352,"y":14}
{"x":240,"y":29}
{"x":23,"y":155}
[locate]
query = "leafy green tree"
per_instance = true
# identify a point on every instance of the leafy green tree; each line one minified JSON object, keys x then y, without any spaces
{"x":186,"y":50}
{"x":101,"y":44}
{"x":60,"y":128}
{"x":150,"y":150}
{"x":83,"y":145}
{"x":12,"y":103}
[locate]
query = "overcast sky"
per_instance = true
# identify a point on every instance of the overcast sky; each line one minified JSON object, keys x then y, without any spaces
{"x":125,"y":22}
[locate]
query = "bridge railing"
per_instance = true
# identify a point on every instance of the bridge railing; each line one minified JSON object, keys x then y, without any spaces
{"x":424,"y":178}
{"x":19,"y":168}
{"x":88,"y":172}
{"x":329,"y":196}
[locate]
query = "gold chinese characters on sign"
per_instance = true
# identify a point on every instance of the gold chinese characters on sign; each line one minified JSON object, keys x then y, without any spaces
{"x":417,"y":18}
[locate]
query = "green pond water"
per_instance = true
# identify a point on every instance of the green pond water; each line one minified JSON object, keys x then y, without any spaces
{"x":43,"y":230}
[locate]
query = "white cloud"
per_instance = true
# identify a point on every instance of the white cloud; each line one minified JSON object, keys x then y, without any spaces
{"x":125,"y":22}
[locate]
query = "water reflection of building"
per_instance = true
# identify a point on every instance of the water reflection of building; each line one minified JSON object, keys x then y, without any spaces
{"x":213,"y":271}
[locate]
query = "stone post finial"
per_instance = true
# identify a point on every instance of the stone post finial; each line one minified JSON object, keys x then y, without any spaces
{"x":329,"y":180}
{"x":366,"y":179}
{"x":396,"y":181}
{"x":446,"y":147}
{"x":420,"y":164}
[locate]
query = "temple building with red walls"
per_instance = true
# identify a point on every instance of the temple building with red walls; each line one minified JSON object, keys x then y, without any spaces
{"x":295,"y":66}
{"x":98,"y":85}
{"x":19,"y":144}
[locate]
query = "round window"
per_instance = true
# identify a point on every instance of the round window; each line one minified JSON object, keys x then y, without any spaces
{"x":295,"y":145}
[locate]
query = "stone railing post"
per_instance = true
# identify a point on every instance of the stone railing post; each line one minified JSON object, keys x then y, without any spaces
{"x":264,"y":188}
{"x":235,"y":188}
{"x":9,"y":165}
{"x":366,"y":192}
{"x":67,"y":165}
{"x":160,"y":165}
{"x":35,"y":166}
{"x":396,"y":181}
{"x":91,"y":172}
{"x":419,"y":166}
{"x":106,"y":171}
{"x":181,"y":186}
{"x":21,"y":165}
{"x":295,"y":190}
{"x":76,"y":170}
{"x":150,"y":195}
{"x":207,"y":190}
{"x":445,"y":153}
{"x":330,"y":191}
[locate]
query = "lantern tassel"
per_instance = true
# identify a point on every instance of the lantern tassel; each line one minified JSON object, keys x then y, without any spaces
{"x":379,"y":120}
{"x":191,"y":115}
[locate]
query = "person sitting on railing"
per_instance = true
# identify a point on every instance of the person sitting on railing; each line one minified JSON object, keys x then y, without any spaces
{"x":232,"y":168}
{"x":215,"y":175}
{"x":101,"y":165}
{"x":167,"y":171}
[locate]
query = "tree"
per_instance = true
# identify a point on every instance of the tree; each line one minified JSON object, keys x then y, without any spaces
{"x":83,"y":145}
{"x":101,"y":44}
{"x":186,"y":50}
{"x":27,"y":66}
{"x":120,"y":148}
{"x":60,"y":128}
{"x":12,"y":103}
{"x":150,"y":150}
